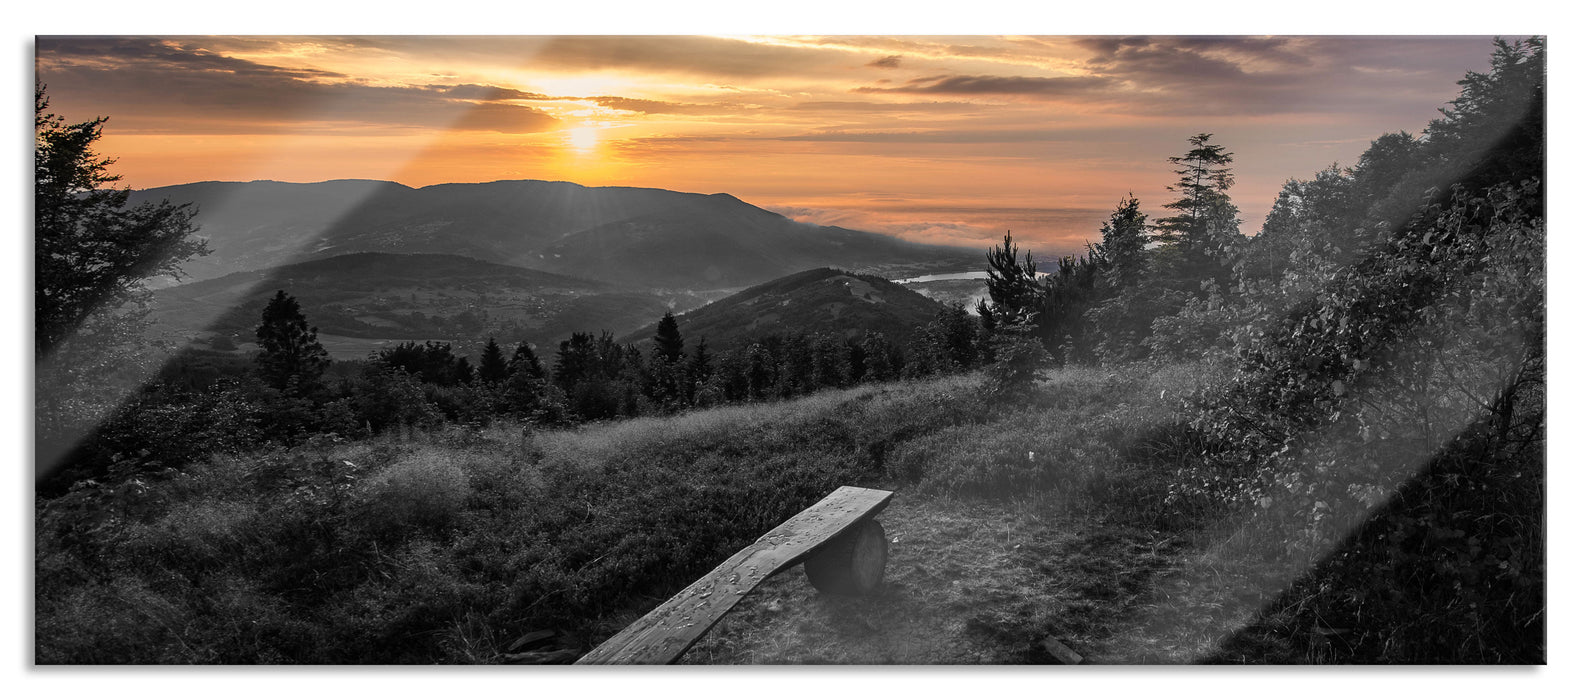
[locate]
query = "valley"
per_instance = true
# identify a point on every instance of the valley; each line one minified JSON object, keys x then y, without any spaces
{"x":376,"y":263}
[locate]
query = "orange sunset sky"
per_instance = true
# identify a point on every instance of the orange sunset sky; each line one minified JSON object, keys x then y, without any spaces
{"x":937,"y":139}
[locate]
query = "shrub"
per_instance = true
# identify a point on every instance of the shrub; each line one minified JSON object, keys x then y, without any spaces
{"x":424,"y":489}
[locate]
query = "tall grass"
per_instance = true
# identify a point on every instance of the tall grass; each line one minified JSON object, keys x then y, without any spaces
{"x":444,"y":546}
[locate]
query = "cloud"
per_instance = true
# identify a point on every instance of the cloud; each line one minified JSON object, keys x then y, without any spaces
{"x":152,"y":85}
{"x":688,"y":55}
{"x":941,"y":136}
{"x":891,"y":61}
{"x":630,"y":104}
{"x":859,"y":106}
{"x":1061,"y":86}
{"x":485,"y":93}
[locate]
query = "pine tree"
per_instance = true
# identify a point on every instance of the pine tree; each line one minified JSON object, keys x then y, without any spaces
{"x":1013,"y":316}
{"x":289,"y":354}
{"x":702,"y":361}
{"x":1012,"y":285}
{"x":575,"y":361}
{"x":667,"y":340}
{"x":524,"y":360}
{"x":1122,"y":253}
{"x":492,"y":367}
{"x":1195,"y":238}
{"x":877,"y":365}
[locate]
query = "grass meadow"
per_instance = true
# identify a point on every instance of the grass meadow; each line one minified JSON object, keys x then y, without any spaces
{"x":446,"y":546}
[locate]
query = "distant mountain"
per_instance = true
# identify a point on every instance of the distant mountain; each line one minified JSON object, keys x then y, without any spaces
{"x":626,"y":235}
{"x":368,"y":299}
{"x":823,"y":300}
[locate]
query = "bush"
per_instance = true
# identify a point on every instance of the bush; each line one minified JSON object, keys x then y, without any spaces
{"x":425,"y":489}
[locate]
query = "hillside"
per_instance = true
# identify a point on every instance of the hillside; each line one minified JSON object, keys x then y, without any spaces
{"x":383,"y":296}
{"x":634,"y":236}
{"x":822,"y":300}
{"x":572,"y":531}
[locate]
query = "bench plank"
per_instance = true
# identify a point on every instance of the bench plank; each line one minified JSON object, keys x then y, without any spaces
{"x":666,"y":632}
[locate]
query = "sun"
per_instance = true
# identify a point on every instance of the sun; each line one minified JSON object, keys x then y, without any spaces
{"x":583,"y":138}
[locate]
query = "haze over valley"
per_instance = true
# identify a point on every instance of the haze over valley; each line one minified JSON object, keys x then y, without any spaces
{"x":374,"y":263}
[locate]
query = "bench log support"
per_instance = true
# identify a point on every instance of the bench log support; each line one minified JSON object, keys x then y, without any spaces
{"x":850,"y":564}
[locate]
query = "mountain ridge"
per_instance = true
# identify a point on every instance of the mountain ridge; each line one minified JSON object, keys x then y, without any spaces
{"x":370,"y":299}
{"x":819,"y":300}
{"x":611,"y":233}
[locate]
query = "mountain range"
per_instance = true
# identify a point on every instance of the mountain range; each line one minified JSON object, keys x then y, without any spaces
{"x":636,"y":237}
{"x":377,"y":298}
{"x":375,"y":262}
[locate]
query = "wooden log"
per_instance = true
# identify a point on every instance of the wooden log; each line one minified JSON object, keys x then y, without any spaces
{"x":667,"y":631}
{"x":1061,"y":652}
{"x":533,"y":638}
{"x":852,"y":564}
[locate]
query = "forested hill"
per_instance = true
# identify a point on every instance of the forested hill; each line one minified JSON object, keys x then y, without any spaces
{"x":408,"y":297}
{"x":650,"y":237}
{"x":823,"y":300}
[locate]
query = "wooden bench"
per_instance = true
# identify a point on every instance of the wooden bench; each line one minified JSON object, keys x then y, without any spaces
{"x":842,"y":549}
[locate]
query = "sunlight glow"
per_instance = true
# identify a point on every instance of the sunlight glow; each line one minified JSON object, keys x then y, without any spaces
{"x":583,"y":138}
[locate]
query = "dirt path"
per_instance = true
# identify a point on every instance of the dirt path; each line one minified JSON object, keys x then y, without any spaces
{"x":967,"y":583}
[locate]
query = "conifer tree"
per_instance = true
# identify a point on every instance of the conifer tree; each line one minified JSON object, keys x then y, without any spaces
{"x":876,"y":357}
{"x":524,"y":360}
{"x":289,"y":353}
{"x":1205,"y":223}
{"x":702,"y":361}
{"x":1122,"y":253}
{"x":492,"y":367}
{"x":1013,"y":285}
{"x":667,"y":340}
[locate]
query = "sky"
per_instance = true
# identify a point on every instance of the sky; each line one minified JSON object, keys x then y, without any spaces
{"x":939,"y":139}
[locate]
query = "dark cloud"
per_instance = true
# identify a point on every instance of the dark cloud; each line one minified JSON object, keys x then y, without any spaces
{"x":689,"y":55}
{"x":892,"y":61}
{"x":997,"y":85}
{"x":940,"y":136}
{"x":851,"y":106}
{"x":485,"y":93}
{"x":632,"y":104}
{"x":154,"y":85}
{"x":155,"y":53}
{"x":1278,"y":75}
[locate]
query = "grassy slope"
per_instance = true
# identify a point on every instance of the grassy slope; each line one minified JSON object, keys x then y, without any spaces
{"x":1010,"y":525}
{"x":1037,"y":523}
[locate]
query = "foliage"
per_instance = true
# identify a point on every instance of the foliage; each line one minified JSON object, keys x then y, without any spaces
{"x":92,"y":253}
{"x":1204,"y":229}
{"x":492,"y":366}
{"x":1069,"y":291}
{"x":1122,"y":250}
{"x":290,"y":358}
{"x":432,"y":362}
{"x":1012,"y":284}
{"x":668,"y":344}
{"x":1018,"y":358}
{"x":952,"y":342}
{"x":385,"y":551}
